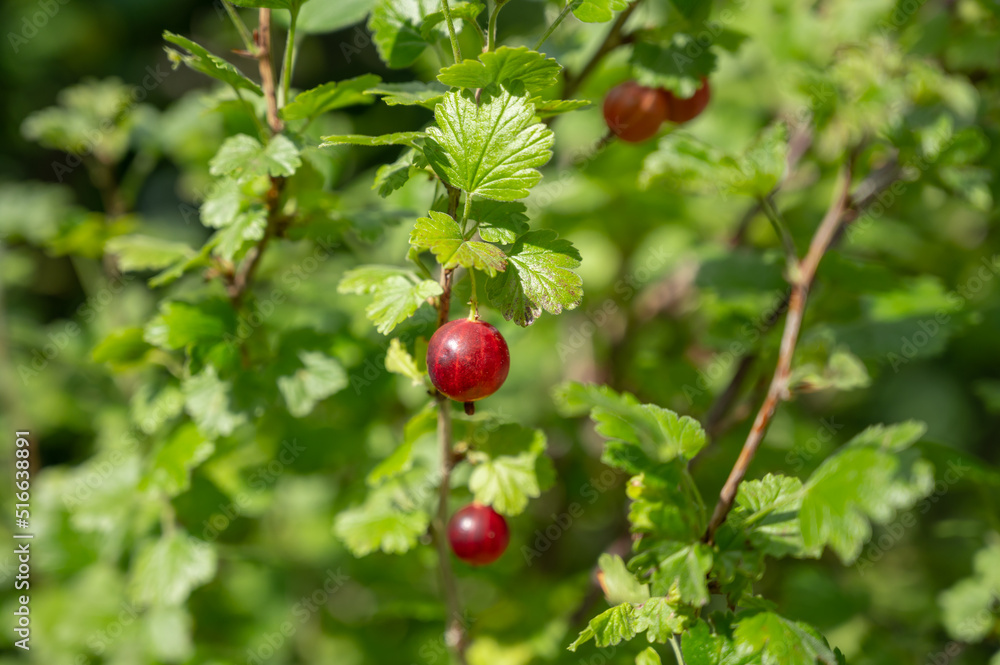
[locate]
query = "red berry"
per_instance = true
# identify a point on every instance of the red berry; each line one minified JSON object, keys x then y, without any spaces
{"x":634,"y":112}
{"x":478,"y":534}
{"x":682,"y":110}
{"x":467,"y":360}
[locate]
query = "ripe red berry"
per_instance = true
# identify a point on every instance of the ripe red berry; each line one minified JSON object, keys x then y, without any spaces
{"x":478,"y":534}
{"x":634,"y":112}
{"x":682,"y":110}
{"x":467,"y":360}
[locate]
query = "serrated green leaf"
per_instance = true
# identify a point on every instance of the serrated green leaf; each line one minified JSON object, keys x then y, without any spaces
{"x":319,"y":377}
{"x":247,"y":227}
{"x":777,"y":641}
{"x":423,"y":424}
{"x":685,"y":573}
{"x":379,"y":525}
{"x":968,"y":607}
{"x":510,"y":465}
{"x":330,"y":96}
{"x":399,"y":361}
{"x":397,"y":293}
{"x":395,"y":25}
{"x":648,"y":656}
{"x":539,"y":276}
{"x":620,"y":585}
{"x":460,"y":11}
{"x":490,"y":148}
{"x":200,"y":60}
{"x":172,"y":463}
{"x":206,"y":399}
{"x":545,"y":108}
{"x":410,"y":93}
{"x":609,"y":628}
{"x":701,"y":647}
{"x":165,"y":571}
{"x":443,"y":237}
{"x":768,"y":511}
{"x":868,"y":480}
{"x":499,"y":221}
{"x":399,"y":138}
{"x":598,"y":11}
{"x":139,"y":252}
{"x":516,"y":69}
{"x":243,"y":156}
{"x":222,"y":204}
{"x":505,"y":483}
{"x":660,"y":619}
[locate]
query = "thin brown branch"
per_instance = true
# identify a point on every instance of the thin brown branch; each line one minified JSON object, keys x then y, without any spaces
{"x":612,"y":40}
{"x":267,"y":81}
{"x":778,"y":388}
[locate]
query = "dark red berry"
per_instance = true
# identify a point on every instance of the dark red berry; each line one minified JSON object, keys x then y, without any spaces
{"x":634,"y":112}
{"x":682,"y":110}
{"x":467,"y":360}
{"x":478,"y":534}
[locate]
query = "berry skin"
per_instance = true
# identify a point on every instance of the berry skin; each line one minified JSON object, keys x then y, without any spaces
{"x":634,"y":112}
{"x":682,"y":110}
{"x":467,"y":360}
{"x":478,"y":534}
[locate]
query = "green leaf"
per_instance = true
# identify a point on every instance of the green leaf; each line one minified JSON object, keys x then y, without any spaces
{"x":648,"y":656}
{"x":377,"y":524}
{"x":202,"y":61}
{"x":771,"y":504}
{"x":390,"y":177}
{"x":122,"y":348}
{"x":539,"y":276}
{"x":139,"y":252}
{"x":609,"y":628}
{"x":330,"y":96}
{"x":180,"y":325}
{"x":662,"y":434}
{"x":166,"y":571}
{"x":678,"y":66}
{"x":424,"y":424}
{"x":778,"y":641}
{"x":395,"y":25}
{"x":443,"y":236}
{"x":516,"y":69}
{"x":460,"y":11}
{"x":399,"y":138}
{"x":491,"y":148}
{"x":246,"y":228}
{"x":243,"y":156}
{"x":620,"y":585}
{"x":701,"y":647}
{"x":684,"y":572}
{"x":206,"y":399}
{"x":323,"y":17}
{"x":173,"y":461}
{"x":660,"y":619}
{"x":509,"y":465}
{"x":222,"y":204}
{"x":397,"y":293}
{"x":867,"y":480}
{"x":499,"y":221}
{"x":410,"y":93}
{"x":319,"y":377}
{"x":598,"y":11}
{"x":545,"y":108}
{"x":968,"y":608}
{"x":666,"y":506}
{"x":399,"y":361}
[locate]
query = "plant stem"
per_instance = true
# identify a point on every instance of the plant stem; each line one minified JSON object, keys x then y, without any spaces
{"x":245,"y":35}
{"x":555,"y":24}
{"x":267,"y":71}
{"x":286,"y":72}
{"x":455,"y":48}
{"x":611,"y":41}
{"x":491,"y":27}
{"x":778,"y":222}
{"x":778,"y":388}
{"x":677,"y":650}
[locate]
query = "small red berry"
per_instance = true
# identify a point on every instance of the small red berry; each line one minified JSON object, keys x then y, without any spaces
{"x":467,"y":360}
{"x":682,"y":110}
{"x":634,"y":112}
{"x":478,"y":534}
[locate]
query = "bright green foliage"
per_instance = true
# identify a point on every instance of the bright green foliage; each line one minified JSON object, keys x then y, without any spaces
{"x":778,"y":641}
{"x":396,"y":293}
{"x":598,"y":11}
{"x":243,"y":157}
{"x":509,"y":465}
{"x":516,"y":69}
{"x":319,"y":377}
{"x":167,"y":570}
{"x":310,"y":104}
{"x":206,"y":63}
{"x":969,"y":607}
{"x":444,"y":238}
{"x":396,"y":26}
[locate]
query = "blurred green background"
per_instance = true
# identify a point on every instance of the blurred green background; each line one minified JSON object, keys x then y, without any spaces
{"x":668,"y":293}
